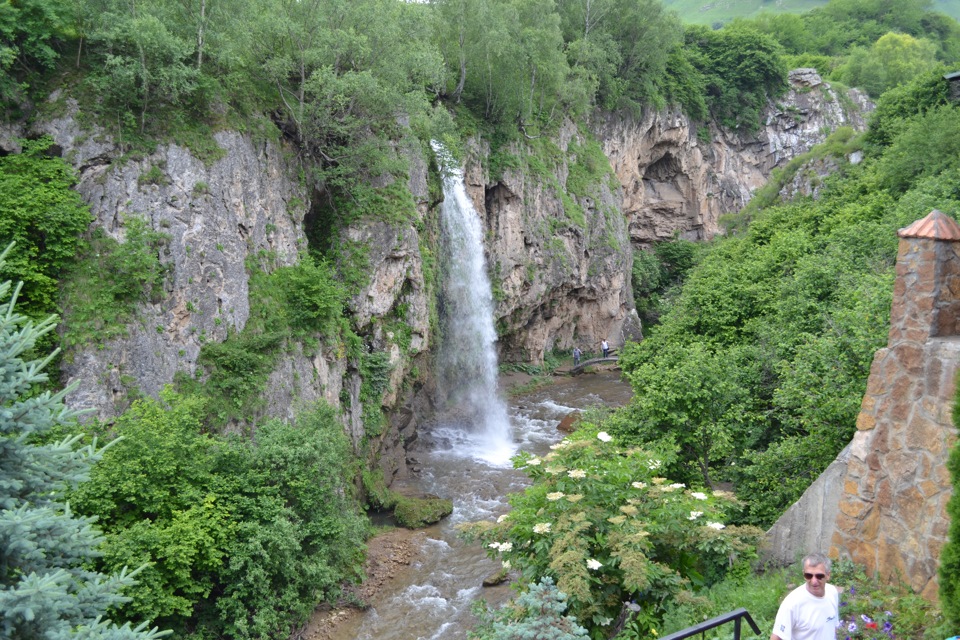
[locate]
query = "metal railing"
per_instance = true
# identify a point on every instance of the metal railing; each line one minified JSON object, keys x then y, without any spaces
{"x":734,"y":616}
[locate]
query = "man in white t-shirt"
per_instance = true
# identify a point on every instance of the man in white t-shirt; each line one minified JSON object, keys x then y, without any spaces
{"x":811,"y":611}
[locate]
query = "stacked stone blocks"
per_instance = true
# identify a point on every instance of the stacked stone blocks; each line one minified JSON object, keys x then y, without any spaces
{"x":892,"y":509}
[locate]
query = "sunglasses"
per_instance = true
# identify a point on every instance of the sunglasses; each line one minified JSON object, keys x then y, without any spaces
{"x":811,"y":576}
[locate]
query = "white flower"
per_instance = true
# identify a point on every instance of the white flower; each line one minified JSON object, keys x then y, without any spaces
{"x":603,"y":436}
{"x":560,"y":445}
{"x":639,"y":485}
{"x":541,"y":527}
{"x":716,"y":525}
{"x":577,"y":473}
{"x":502,"y":518}
{"x":506,"y":564}
{"x":695,"y":514}
{"x":699,"y":496}
{"x":554,"y":470}
{"x":533,"y":462}
{"x":506,"y":547}
{"x":494,"y":545}
{"x":654,"y":464}
{"x":556,"y":495}
{"x":677,"y":485}
{"x":593,"y":564}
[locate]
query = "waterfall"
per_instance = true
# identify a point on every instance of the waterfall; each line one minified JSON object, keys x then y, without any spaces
{"x":468,"y":357}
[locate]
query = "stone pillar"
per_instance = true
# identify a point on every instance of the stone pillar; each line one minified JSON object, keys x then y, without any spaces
{"x":892,"y":510}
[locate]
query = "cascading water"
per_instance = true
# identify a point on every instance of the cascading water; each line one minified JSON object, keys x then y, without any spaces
{"x":468,"y":357}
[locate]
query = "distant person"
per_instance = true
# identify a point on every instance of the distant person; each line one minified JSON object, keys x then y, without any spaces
{"x":605,"y":347}
{"x":812,"y":610}
{"x":576,"y":356}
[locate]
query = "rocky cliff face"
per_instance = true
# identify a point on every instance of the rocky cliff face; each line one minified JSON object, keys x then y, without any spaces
{"x":248,"y":207}
{"x":561,"y":270}
{"x":559,"y":247}
{"x":675,"y":182}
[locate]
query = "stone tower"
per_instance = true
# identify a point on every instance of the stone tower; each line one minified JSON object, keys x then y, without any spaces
{"x":891,"y":513}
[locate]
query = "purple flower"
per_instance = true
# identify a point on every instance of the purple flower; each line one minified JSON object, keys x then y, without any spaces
{"x":888,"y":613}
{"x":852,"y":627}
{"x":887,"y":626}
{"x":864,"y":617}
{"x":852,"y":591}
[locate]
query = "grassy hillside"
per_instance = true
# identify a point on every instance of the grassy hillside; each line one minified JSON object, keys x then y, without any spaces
{"x":712,"y":12}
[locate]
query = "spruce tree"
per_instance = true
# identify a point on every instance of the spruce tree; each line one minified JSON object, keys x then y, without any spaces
{"x":46,"y":591}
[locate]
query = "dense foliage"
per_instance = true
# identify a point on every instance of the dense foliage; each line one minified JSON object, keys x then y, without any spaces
{"x":756,"y":371}
{"x":44,"y":217}
{"x":603,"y":522}
{"x":239,"y":537}
{"x":47,"y":588}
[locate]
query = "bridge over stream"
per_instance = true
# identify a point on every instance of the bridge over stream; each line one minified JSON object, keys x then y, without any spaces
{"x":577,"y":370}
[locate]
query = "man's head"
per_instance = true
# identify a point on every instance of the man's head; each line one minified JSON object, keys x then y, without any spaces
{"x":816,"y":572}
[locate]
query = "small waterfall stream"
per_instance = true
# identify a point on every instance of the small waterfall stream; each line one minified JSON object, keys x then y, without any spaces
{"x":468,"y":357}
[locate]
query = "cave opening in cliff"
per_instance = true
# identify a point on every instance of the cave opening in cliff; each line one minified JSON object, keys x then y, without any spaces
{"x":665,"y":169}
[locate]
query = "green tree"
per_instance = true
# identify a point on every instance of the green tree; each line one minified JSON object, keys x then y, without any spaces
{"x":30,"y":32}
{"x":47,"y":589}
{"x":690,"y":398}
{"x":44,"y":217}
{"x":241,"y":537}
{"x":742,"y":68}
{"x":915,"y":153}
{"x":146,"y":66}
{"x":893,"y":60}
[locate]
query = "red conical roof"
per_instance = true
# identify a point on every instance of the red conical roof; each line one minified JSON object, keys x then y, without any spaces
{"x":936,"y":226}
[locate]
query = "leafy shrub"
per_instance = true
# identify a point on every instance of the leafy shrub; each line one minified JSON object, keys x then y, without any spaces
{"x":913,"y":153}
{"x":44,"y":217}
{"x":242,"y":537}
{"x":101,"y":293}
{"x":600,"y":521}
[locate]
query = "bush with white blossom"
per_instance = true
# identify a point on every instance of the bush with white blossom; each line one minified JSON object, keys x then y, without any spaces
{"x":608,"y":530}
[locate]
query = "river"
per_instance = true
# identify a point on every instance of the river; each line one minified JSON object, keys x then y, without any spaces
{"x":432,"y":598}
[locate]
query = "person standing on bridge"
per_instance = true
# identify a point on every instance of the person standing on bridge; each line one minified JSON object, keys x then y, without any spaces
{"x":576,"y":356}
{"x":605,"y":347}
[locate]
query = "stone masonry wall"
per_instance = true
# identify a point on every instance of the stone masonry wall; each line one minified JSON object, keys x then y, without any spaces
{"x":892,"y":507}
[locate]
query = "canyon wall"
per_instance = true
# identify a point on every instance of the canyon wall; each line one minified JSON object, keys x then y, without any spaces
{"x":560,"y":257}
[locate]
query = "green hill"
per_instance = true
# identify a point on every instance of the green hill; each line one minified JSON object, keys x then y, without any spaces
{"x":714,"y":12}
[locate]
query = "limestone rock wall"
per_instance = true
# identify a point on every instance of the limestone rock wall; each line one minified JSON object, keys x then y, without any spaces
{"x":675,"y":182}
{"x":558,"y":282}
{"x":247,"y":206}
